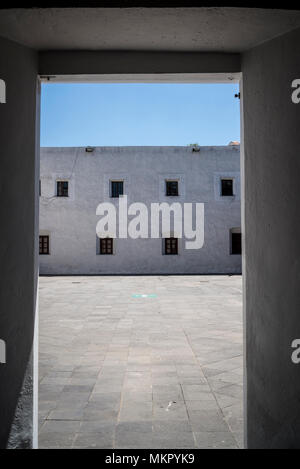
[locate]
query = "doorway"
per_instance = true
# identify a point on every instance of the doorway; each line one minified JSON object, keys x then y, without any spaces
{"x":140,"y":361}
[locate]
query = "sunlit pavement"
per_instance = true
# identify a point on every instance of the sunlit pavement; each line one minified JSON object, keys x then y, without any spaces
{"x":141,"y":362}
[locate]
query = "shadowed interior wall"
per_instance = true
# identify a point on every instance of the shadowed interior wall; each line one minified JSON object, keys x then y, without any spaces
{"x":85,"y":62}
{"x":19,"y":191}
{"x":272,"y":248}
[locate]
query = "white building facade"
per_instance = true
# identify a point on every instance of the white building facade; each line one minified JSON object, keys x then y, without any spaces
{"x":74,"y":181}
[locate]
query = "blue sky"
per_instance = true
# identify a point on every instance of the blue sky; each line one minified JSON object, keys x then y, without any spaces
{"x":139,"y":114}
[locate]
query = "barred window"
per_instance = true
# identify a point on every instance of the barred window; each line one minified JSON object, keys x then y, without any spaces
{"x":62,"y":189}
{"x":172,"y":188}
{"x":171,"y":246}
{"x":44,"y":245}
{"x":106,"y":246}
{"x":226,"y":187}
{"x":236,"y":243}
{"x":117,"y":188}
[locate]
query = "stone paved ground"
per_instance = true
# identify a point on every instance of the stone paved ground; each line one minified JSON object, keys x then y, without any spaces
{"x":119,"y":371}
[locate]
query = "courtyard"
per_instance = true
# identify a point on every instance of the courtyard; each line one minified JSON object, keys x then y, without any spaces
{"x":141,"y":362}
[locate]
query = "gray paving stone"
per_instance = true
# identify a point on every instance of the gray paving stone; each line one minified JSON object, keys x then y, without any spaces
{"x":207,"y":421}
{"x":136,"y":411}
{"x":180,"y":426}
{"x":93,"y":441}
{"x":66,"y":414}
{"x":97,"y":427}
{"x":59,"y":426}
{"x":117,"y":372}
{"x":134,"y":435}
{"x":176,"y":440}
{"x":215,"y":440}
{"x":94,"y":412}
{"x":170,"y":410}
{"x":56,"y":440}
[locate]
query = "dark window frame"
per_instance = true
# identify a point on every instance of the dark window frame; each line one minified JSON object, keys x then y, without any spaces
{"x":44,"y":245}
{"x":235,"y":243}
{"x":62,"y":191}
{"x":106,"y":246}
{"x":227,"y":191}
{"x":171,"y":246}
{"x":116,"y":188}
{"x":172,"y":188}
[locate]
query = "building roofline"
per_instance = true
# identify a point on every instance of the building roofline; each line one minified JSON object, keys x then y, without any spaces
{"x":146,"y":147}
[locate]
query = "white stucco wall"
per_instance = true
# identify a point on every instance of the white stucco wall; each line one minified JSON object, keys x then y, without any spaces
{"x":71,"y":222}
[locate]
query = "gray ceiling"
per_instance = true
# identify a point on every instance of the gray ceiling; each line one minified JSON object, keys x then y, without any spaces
{"x":151,"y":29}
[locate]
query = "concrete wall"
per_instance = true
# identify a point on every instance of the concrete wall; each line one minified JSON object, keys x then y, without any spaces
{"x":272,"y":142}
{"x":272,"y":248}
{"x":19,"y":190}
{"x":89,"y":63}
{"x":71,"y":222}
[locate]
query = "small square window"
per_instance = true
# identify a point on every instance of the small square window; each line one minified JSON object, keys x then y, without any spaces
{"x":236,"y":243}
{"x":171,"y":246}
{"x":226,"y":187}
{"x":172,"y":188}
{"x":106,"y":246}
{"x":117,"y":188}
{"x":44,"y":245}
{"x":62,"y":189}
